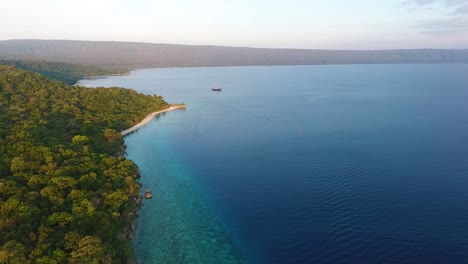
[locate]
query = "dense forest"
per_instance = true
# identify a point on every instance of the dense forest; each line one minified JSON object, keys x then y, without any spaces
{"x":67,"y":193}
{"x":111,"y":54}
{"x":65,"y":72}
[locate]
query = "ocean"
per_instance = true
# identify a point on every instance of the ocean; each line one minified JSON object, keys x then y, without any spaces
{"x":303,"y":164}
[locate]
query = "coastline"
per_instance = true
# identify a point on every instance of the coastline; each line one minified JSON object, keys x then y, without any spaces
{"x":173,"y":192}
{"x":131,"y":229}
{"x":149,"y":117}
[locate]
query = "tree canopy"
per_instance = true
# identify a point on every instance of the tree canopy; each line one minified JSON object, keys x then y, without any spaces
{"x":67,"y":193}
{"x":65,"y":72}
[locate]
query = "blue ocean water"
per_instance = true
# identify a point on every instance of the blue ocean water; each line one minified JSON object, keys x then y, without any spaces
{"x":304,"y":164}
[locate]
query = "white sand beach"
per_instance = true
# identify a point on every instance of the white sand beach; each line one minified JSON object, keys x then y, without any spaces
{"x":148,"y":118}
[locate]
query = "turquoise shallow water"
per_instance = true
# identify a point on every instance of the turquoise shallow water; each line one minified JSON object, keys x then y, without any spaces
{"x":306,"y":164}
{"x":176,"y":226}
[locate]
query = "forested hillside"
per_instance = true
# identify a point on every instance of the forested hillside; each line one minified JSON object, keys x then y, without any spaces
{"x":67,"y":193}
{"x":65,"y":72}
{"x":112,"y":55}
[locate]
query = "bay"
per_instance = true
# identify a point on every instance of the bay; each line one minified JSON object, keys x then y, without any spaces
{"x":304,"y":164}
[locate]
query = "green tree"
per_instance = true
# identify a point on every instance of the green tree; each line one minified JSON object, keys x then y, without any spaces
{"x":67,"y":193}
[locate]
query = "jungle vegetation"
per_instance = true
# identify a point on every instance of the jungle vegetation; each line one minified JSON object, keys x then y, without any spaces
{"x":65,"y":72}
{"x":67,"y":192}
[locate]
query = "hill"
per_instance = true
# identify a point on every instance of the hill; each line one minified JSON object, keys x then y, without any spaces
{"x":67,"y":193}
{"x":64,"y":72}
{"x":113,"y":55}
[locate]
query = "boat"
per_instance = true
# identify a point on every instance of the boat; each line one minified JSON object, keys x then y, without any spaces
{"x":148,"y":194}
{"x":216,"y":89}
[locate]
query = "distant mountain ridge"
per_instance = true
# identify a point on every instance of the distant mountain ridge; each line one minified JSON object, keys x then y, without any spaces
{"x":110,"y":54}
{"x":60,"y":71}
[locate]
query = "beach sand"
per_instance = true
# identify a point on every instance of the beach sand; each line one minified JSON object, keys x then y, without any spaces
{"x":149,"y":117}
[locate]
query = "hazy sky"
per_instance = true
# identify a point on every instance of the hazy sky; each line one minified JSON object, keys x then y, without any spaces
{"x":329,"y":24}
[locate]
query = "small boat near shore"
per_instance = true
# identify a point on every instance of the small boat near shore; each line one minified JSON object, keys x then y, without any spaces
{"x":148,"y":194}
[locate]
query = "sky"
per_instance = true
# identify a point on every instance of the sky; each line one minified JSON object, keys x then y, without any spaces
{"x":310,"y":24}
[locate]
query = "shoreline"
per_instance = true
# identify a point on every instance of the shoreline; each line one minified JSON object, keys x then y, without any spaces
{"x":149,"y":117}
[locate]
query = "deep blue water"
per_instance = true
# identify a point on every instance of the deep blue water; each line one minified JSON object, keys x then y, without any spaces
{"x":304,"y":164}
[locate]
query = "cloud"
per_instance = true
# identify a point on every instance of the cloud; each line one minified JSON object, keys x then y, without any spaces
{"x":418,"y":2}
{"x":444,"y":25}
{"x":446,"y":3}
{"x":461,"y":10}
{"x":455,"y":20}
